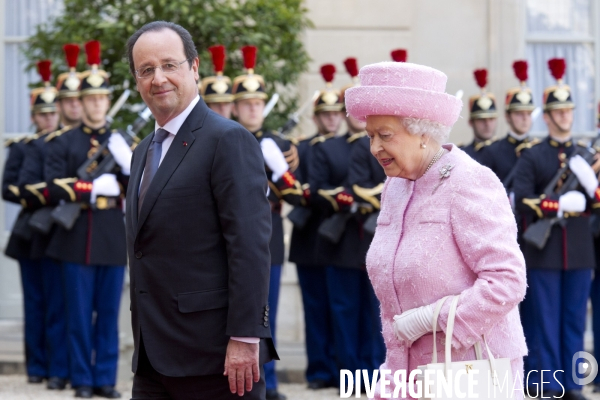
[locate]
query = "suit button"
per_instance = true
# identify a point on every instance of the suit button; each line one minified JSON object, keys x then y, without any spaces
{"x":266,"y":319}
{"x":267,"y":307}
{"x":266,"y":324}
{"x":138,"y":255}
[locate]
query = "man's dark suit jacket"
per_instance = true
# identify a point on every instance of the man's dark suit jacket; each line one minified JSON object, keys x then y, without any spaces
{"x":199,"y":250}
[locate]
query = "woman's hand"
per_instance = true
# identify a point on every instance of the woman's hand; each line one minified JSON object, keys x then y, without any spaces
{"x":412,"y":324}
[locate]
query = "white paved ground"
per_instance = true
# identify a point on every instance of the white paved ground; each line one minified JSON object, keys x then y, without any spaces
{"x":14,"y":387}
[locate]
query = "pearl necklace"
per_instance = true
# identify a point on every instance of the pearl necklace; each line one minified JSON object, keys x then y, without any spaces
{"x":436,"y":157}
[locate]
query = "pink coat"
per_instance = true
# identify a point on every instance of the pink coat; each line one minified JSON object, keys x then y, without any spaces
{"x":460,"y":240}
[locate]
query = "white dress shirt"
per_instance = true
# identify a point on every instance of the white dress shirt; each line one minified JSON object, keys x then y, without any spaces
{"x":173,"y":127}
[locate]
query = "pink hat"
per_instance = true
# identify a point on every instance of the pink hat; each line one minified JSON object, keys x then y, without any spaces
{"x":404,"y":90}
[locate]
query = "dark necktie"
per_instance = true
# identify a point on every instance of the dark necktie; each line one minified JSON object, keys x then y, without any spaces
{"x":152,"y":161}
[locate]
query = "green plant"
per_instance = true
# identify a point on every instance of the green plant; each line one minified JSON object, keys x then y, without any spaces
{"x":274,"y":26}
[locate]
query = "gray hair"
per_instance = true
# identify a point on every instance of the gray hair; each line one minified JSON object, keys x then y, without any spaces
{"x":434,"y":130}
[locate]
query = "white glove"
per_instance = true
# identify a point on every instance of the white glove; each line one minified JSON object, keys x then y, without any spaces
{"x":121,"y":152}
{"x":274,"y":158}
{"x":412,"y":324}
{"x":572,"y":201}
{"x":105,"y":185}
{"x":585,"y":174}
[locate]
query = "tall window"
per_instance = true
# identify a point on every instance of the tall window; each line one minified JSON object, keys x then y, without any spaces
{"x":564,"y":29}
{"x":20,"y":19}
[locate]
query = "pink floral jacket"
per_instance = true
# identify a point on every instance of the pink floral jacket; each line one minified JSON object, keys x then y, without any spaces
{"x":457,"y":239}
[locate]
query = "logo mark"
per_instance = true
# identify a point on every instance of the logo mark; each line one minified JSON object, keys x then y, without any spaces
{"x":584,"y":368}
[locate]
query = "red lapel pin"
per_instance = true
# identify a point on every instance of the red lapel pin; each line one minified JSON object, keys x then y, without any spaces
{"x":185,"y":143}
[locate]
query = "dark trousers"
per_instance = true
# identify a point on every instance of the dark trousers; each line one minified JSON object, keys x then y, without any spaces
{"x":553,"y":315}
{"x":317,"y":325}
{"x":372,"y":352}
{"x":274,"y":284}
{"x":34,"y":309}
{"x":55,"y":319}
{"x":350,"y":318}
{"x":150,"y":384}
{"x":92,"y":288}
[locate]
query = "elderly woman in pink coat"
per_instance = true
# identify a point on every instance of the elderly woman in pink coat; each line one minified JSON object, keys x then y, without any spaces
{"x":445,"y":226}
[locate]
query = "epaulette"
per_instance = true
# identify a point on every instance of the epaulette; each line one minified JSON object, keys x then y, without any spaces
{"x":57,"y":133}
{"x":583,"y":143}
{"x":356,"y":136}
{"x":321,"y":138}
{"x":485,"y":143}
{"x":12,"y":141}
{"x":526,"y":145}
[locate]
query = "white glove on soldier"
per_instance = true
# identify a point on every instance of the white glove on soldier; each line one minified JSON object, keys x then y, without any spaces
{"x":274,"y":158}
{"x":121,"y":152}
{"x":412,"y":324}
{"x":585,"y":174}
{"x":572,"y":201}
{"x":105,"y":185}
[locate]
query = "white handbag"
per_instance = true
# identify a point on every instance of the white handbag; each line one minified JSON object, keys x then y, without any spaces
{"x":478,"y":379}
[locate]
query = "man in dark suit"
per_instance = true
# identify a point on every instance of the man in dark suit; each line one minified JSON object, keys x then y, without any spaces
{"x":198,"y":229}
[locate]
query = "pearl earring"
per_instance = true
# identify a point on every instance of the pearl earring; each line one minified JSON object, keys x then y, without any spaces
{"x":423,"y":145}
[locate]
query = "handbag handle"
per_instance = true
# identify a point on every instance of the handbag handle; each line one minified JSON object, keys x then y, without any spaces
{"x":436,"y":314}
{"x":448,"y":346}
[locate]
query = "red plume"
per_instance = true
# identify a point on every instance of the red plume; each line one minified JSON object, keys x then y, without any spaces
{"x":71,"y":53}
{"x":481,"y":77}
{"x":328,"y":71}
{"x":218,"y":57}
{"x":520,"y":68}
{"x":557,"y":67}
{"x":351,"y":66}
{"x":399,"y":55}
{"x":249,"y":53}
{"x":92,"y":49}
{"x":44,"y":69}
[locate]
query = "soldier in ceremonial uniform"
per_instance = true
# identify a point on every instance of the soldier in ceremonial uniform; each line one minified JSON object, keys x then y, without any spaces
{"x":216,"y":90}
{"x":501,"y":156}
{"x":92,"y":251}
{"x":365,"y":179}
{"x":559,"y":274}
{"x":344,"y":258}
{"x":68,"y":104}
{"x":483,"y":117}
{"x":19,"y":247}
{"x":281,"y":160}
{"x":321,"y":371}
{"x":595,"y":290}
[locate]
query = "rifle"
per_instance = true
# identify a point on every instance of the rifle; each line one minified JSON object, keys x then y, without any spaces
{"x":66,"y":214}
{"x":295,"y":117}
{"x":333,"y":227}
{"x":537,"y":234}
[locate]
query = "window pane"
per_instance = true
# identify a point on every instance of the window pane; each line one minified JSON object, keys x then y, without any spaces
{"x":580,"y":76}
{"x":23,"y":15}
{"x":559,"y":16}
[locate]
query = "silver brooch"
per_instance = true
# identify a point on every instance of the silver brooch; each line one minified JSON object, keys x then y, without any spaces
{"x":444,"y":173}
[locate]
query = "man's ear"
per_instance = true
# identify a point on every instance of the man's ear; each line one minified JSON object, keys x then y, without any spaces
{"x":234,"y":110}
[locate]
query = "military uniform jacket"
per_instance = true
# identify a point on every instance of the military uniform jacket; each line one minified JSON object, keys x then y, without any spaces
{"x":303,"y":246}
{"x":33,"y":187}
{"x":568,"y":247}
{"x":328,"y":178}
{"x":17,"y":247}
{"x":475,"y":149}
{"x":366,"y":176}
{"x":287,"y":188}
{"x":501,"y":156}
{"x":199,"y":247}
{"x":98,"y":236}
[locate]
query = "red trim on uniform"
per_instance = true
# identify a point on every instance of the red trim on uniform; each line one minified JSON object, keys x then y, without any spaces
{"x":549,"y":205}
{"x":344,"y":198}
{"x":289,"y":179}
{"x":46,"y":193}
{"x":88,"y":245}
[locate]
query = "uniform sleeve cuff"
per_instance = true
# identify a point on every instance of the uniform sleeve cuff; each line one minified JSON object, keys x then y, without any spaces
{"x":252,"y":340}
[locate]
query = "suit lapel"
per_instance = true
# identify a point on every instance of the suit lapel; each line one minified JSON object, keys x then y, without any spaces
{"x":181,"y":144}
{"x":135,"y":180}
